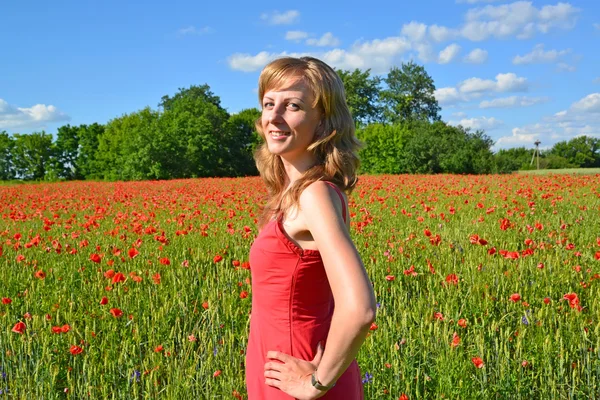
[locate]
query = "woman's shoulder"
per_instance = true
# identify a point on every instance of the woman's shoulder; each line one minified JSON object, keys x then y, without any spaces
{"x":322,"y":194}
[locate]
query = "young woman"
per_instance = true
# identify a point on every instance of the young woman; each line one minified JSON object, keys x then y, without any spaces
{"x":312,"y":301}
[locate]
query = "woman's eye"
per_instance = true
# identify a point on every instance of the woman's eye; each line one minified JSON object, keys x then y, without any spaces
{"x":267,"y":104}
{"x":293,"y":106}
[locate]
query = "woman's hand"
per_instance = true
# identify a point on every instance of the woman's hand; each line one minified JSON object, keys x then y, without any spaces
{"x":293,"y":375}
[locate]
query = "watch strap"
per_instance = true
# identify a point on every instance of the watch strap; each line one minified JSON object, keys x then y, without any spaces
{"x":317,"y":385}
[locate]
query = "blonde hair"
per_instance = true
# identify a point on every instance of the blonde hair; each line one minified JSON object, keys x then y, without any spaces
{"x":335,"y":146}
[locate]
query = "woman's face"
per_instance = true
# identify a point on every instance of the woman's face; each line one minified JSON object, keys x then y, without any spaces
{"x":289,"y":120}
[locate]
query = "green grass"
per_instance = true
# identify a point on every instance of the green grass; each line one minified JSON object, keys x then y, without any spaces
{"x":395,"y":223}
{"x":582,"y":171}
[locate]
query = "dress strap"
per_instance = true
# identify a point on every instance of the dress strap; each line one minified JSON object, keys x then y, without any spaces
{"x":339,"y":192}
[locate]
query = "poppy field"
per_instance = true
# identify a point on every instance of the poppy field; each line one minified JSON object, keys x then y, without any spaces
{"x":488,"y":287}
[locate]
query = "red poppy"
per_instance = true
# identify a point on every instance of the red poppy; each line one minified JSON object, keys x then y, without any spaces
{"x":515,"y":297}
{"x":205,"y":305}
{"x":439,"y":316}
{"x":165,"y":261}
{"x":373,"y":326}
{"x":546,"y":300}
{"x":118,"y":277}
{"x":40,"y":274}
{"x":236,"y":263}
{"x":455,"y":340}
{"x":158,"y":348}
{"x":243,"y":294}
{"x":217,"y":258}
{"x":403,"y":397}
{"x":597,"y":255}
{"x":95,"y":258}
{"x":216,"y":373}
{"x":390,"y":278}
{"x":116,"y":312}
{"x":6,"y":300}
{"x":478,"y":362}
{"x":462,"y":323}
{"x":104,"y":301}
{"x":452,"y":279}
{"x":573,"y":300}
{"x":109,"y":274}
{"x":65,"y":328}
{"x":75,"y":350}
{"x":132,"y":252}
{"x":156,"y":278}
{"x":19,"y":327}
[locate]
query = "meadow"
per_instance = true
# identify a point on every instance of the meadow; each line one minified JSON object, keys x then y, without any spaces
{"x":487,"y":287}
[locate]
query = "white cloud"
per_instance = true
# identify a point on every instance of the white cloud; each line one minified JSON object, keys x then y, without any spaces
{"x":459,"y":114}
{"x":442,"y":33}
{"x":192,"y":30}
{"x":295,"y":35}
{"x":564,"y":67}
{"x":378,"y":54}
{"x":589,"y":104}
{"x":415,"y":31}
{"x":478,"y":123}
{"x":513,"y":101}
{"x":37,"y":116}
{"x":519,"y":19}
{"x":326,"y":40}
{"x":538,"y":55}
{"x":476,"y":56}
{"x":447,"y":96}
{"x":504,"y":83}
{"x":581,"y":118}
{"x":277,"y":18}
{"x":448,"y":54}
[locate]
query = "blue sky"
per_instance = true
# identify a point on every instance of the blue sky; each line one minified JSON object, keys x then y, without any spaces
{"x":523,"y":71}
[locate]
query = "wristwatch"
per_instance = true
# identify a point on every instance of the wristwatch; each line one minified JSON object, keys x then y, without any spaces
{"x":317,"y":385}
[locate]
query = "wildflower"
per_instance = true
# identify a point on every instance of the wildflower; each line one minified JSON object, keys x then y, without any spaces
{"x":95,"y":258}
{"x":452,"y":279}
{"x":6,"y":300}
{"x":165,"y":261}
{"x":104,"y":301}
{"x":217,"y":258}
{"x":133,"y":252}
{"x":515,"y":297}
{"x":216,"y":373}
{"x":19,"y":328}
{"x":524,"y":320}
{"x":368,"y":378}
{"x":118,"y":277}
{"x":156,"y":278}
{"x":243,"y":294}
{"x":158,"y":348}
{"x":439,"y":316}
{"x":390,"y":278}
{"x":74,"y":350}
{"x":478,"y":362}
{"x":116,"y":312}
{"x":455,"y":340}
{"x":40,"y":274}
{"x":373,"y":326}
{"x":135,"y":375}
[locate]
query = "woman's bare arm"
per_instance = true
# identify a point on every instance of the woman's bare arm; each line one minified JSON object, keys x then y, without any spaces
{"x":355,"y":305}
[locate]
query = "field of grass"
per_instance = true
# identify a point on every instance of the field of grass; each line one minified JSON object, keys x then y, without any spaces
{"x":579,"y":171}
{"x":487,"y":287}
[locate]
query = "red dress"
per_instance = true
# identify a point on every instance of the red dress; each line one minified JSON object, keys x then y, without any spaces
{"x":292,"y":306}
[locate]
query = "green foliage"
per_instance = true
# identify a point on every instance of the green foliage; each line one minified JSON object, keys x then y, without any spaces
{"x":383,"y":151}
{"x":409,"y":95}
{"x":582,"y":151}
{"x":514,"y":159}
{"x":362,"y":95}
{"x":7,"y":170}
{"x":424,"y":147}
{"x":32,"y":155}
{"x":240,"y":141}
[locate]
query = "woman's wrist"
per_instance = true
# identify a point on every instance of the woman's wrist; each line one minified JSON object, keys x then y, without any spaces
{"x":316,"y":383}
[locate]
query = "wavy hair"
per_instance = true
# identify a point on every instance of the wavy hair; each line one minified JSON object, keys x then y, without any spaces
{"x":335,"y":146}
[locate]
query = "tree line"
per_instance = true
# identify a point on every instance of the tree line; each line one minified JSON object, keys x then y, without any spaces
{"x":191,"y":134}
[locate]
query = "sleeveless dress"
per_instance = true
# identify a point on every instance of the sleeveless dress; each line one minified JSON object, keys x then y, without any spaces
{"x":292,"y":306}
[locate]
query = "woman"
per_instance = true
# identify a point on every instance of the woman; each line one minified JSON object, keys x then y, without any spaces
{"x":303,"y":260}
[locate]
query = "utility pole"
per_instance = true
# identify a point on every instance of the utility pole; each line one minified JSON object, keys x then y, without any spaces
{"x":536,"y":151}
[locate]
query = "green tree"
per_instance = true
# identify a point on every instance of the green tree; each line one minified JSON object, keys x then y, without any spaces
{"x":582,"y":151}
{"x":7,"y":170}
{"x":194,"y":124}
{"x":240,"y":141}
{"x":32,"y":155}
{"x":383,"y":151}
{"x":86,"y":164}
{"x":409,"y":95}
{"x":66,"y":152}
{"x":362,"y":95}
{"x":513,"y":159}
